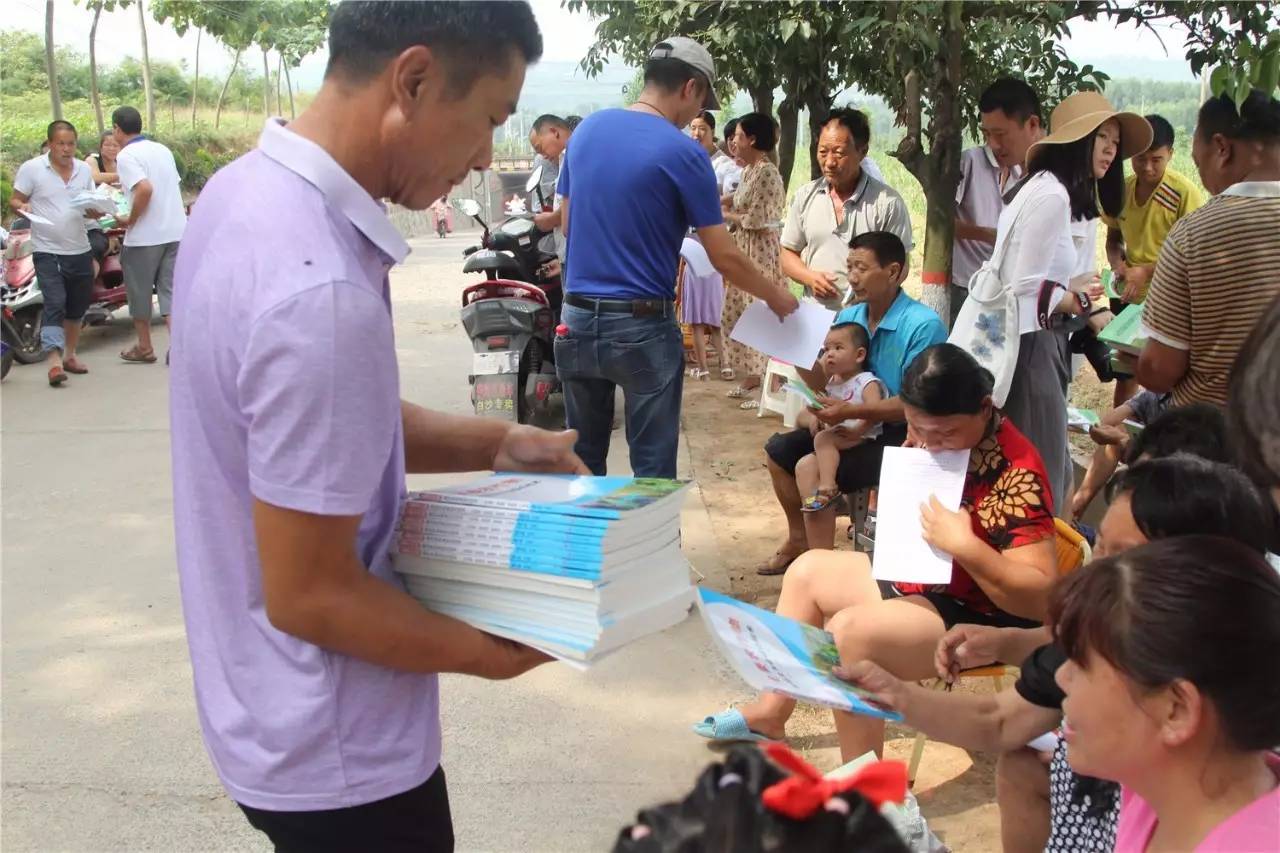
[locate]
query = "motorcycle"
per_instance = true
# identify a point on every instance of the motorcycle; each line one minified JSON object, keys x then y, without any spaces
{"x":511,"y":318}
{"x":20,"y":298}
{"x":108,"y":285}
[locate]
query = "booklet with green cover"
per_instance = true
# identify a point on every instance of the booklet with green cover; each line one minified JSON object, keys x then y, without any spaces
{"x":1124,"y":333}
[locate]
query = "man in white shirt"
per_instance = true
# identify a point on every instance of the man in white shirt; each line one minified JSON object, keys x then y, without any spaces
{"x":42,"y":191}
{"x":829,"y":212}
{"x":155,"y":224}
{"x":551,"y":135}
{"x":1010,"y":123}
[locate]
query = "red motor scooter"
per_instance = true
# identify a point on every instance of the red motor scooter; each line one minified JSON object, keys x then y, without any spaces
{"x":108,"y":286}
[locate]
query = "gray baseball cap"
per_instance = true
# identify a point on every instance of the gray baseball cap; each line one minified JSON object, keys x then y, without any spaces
{"x":695,"y":56}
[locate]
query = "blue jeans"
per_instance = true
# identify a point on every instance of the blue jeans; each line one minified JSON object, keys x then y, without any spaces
{"x":643,"y":355}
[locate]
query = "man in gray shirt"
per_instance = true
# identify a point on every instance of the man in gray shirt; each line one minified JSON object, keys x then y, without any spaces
{"x":845,"y":202}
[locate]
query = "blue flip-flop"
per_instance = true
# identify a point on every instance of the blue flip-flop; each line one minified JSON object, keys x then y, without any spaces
{"x":729,"y":727}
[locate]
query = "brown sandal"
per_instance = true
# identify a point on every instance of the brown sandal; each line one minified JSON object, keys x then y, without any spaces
{"x":56,"y":377}
{"x":74,"y":366}
{"x":778,"y":563}
{"x":137,"y":355}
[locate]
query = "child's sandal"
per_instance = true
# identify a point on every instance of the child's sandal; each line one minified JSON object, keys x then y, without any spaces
{"x":820,"y":500}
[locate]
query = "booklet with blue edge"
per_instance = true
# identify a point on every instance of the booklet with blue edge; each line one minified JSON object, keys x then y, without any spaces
{"x":615,"y":498}
{"x":780,"y":655}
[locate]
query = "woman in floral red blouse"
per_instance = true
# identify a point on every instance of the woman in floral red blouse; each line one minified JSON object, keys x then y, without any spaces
{"x":1002,"y":541}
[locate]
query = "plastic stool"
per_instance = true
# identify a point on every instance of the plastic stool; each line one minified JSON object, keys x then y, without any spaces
{"x":778,"y":399}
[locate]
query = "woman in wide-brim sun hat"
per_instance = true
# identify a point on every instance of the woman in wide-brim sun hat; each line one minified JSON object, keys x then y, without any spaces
{"x":1073,"y":175}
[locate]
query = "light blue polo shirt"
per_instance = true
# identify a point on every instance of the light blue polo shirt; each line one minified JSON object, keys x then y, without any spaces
{"x":908,"y":329}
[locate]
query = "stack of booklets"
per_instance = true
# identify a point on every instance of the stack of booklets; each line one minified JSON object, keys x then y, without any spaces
{"x":1124,"y":333}
{"x":575,"y":566}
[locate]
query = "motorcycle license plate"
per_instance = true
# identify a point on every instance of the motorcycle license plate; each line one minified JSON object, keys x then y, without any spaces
{"x":494,"y":363}
{"x":495,"y":396}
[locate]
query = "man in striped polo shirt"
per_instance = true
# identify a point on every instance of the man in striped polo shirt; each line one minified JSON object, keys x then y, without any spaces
{"x":1219,"y":268}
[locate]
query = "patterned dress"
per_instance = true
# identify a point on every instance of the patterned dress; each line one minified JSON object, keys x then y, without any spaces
{"x":1006,"y":493}
{"x":759,"y":201}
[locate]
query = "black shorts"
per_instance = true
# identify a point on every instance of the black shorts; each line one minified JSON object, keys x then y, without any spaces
{"x":955,"y":612}
{"x":98,"y":244}
{"x":418,"y":820}
{"x":66,"y":281}
{"x":859,"y":465}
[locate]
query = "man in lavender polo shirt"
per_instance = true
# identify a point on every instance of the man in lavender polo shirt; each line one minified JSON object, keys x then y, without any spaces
{"x":315,"y":673}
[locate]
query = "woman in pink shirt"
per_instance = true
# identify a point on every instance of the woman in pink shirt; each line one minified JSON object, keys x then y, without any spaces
{"x":1172,"y":690}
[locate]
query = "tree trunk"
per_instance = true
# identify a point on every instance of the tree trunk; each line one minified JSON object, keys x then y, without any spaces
{"x":93,"y":68}
{"x":217,"y":115}
{"x":195,"y":87}
{"x":146,"y":69}
{"x":818,"y":103}
{"x":266,"y":86}
{"x":762,"y":96}
{"x":50,"y":65}
{"x":279,"y":74}
{"x":942,"y":168}
{"x":788,"y":120}
{"x":288,"y":83}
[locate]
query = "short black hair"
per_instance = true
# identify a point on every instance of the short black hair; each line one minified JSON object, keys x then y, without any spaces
{"x":1199,"y":429}
{"x":1161,"y":132}
{"x":1185,"y":494}
{"x":706,"y":116}
{"x":540,"y":123}
{"x":761,"y":127}
{"x":854,"y":121}
{"x":127,"y":119}
{"x":858,"y":336}
{"x":730,"y":127}
{"x":1072,"y":164}
{"x":572,"y":122}
{"x":1258,"y":118}
{"x":945,"y":380}
{"x":57,"y":125}
{"x":472,"y":38}
{"x":885,"y":245}
{"x":669,"y":74}
{"x":1013,"y":97}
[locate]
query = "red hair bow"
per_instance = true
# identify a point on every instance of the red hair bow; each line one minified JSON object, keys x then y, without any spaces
{"x":806,"y":790}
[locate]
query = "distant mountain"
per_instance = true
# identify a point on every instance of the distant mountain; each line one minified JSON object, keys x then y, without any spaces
{"x":565,"y":89}
{"x":1174,"y":69}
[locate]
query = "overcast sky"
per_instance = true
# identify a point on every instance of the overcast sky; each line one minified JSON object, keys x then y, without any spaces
{"x":566,"y":37}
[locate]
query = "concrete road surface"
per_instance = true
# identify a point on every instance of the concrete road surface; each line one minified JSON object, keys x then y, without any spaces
{"x":101,"y":749}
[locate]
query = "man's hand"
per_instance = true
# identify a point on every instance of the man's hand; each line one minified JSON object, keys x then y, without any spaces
{"x":886,"y":691}
{"x":823,"y":284}
{"x":1113,"y":435}
{"x":1089,"y":284}
{"x":526,"y":448}
{"x":506,"y":659}
{"x":783,"y":302}
{"x":964,"y":647}
{"x":546,"y":221}
{"x":1135,"y":281}
{"x":833,"y":411}
{"x":550,"y":269}
{"x":945,"y":530}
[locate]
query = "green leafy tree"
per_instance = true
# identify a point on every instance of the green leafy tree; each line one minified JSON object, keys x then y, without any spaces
{"x":98,"y":7}
{"x":798,"y":48}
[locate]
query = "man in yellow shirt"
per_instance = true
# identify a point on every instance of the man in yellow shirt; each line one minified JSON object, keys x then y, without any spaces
{"x":1155,"y":197}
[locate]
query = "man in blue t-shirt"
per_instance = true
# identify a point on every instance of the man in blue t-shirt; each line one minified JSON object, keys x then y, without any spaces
{"x":900,"y":328}
{"x":633,"y":185}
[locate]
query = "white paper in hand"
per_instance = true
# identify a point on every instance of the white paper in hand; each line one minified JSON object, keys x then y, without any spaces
{"x":797,"y":340}
{"x":696,"y":257}
{"x":908,"y":478}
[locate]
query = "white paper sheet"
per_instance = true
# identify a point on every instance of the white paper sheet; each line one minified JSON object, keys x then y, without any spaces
{"x":908,"y":478}
{"x":797,"y":340}
{"x":696,"y":257}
